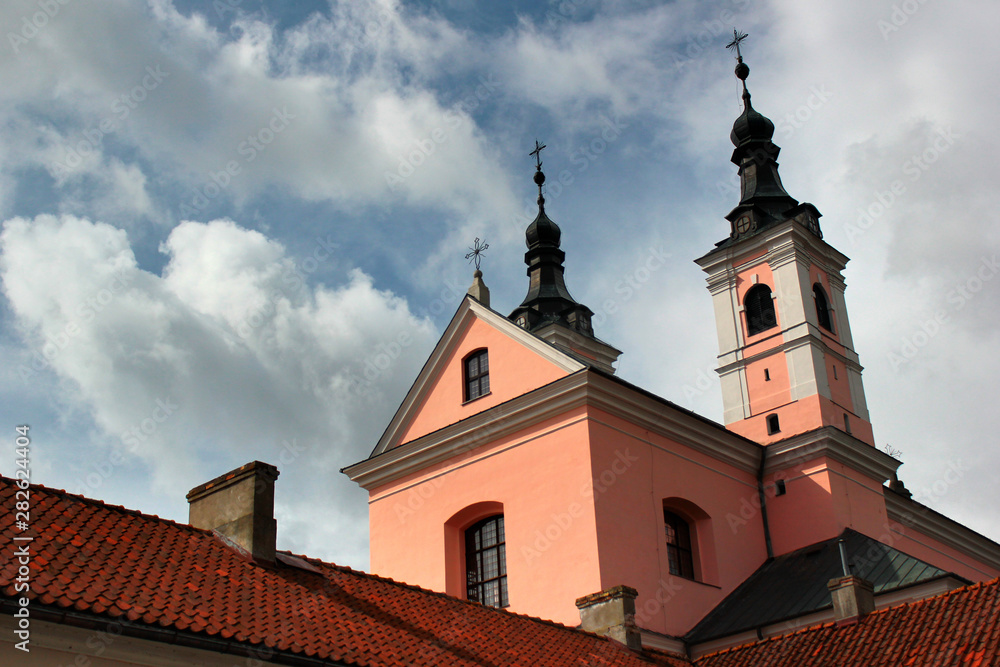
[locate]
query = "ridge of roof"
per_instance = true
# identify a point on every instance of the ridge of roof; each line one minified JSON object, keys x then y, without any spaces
{"x":100,"y":503}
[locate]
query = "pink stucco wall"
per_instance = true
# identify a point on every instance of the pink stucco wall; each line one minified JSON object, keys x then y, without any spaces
{"x":629,"y":508}
{"x":541,"y":479}
{"x":514,"y":370}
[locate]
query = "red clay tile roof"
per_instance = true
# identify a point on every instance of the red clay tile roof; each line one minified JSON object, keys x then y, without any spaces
{"x":115,"y":563}
{"x":961,"y":627}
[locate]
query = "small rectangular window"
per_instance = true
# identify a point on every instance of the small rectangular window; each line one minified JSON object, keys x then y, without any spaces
{"x":772,"y":424}
{"x":477,"y":375}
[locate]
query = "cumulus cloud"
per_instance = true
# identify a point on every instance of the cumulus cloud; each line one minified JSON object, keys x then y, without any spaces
{"x":228,"y":354}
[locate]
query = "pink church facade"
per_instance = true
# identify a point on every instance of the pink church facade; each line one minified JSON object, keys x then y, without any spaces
{"x":519,"y":464}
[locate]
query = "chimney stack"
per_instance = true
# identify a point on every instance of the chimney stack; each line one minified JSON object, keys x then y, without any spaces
{"x":611,"y":613}
{"x":853,"y":598}
{"x":240,"y":506}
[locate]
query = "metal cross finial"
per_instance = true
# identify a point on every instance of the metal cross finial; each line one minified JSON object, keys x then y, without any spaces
{"x":735,"y":44}
{"x":538,"y":155}
{"x":477,"y":249}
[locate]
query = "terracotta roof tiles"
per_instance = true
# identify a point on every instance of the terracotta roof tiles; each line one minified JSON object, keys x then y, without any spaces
{"x":116,"y":563}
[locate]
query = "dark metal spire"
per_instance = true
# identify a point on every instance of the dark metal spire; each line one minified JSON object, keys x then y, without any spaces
{"x":548,"y":301}
{"x":763,"y":199}
{"x":539,"y":175}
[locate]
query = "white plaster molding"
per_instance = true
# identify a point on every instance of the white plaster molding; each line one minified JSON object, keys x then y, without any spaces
{"x":834,"y":444}
{"x":947,"y":531}
{"x":585,"y":388}
{"x":468,"y":310}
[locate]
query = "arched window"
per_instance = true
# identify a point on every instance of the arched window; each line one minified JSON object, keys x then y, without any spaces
{"x":822,"y":308}
{"x":679,"y":556}
{"x":759,"y":307}
{"x":477,"y":375}
{"x":486,"y":562}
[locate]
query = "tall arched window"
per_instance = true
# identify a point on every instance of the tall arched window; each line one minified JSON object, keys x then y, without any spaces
{"x":759,"y":307}
{"x":822,"y":308}
{"x":679,"y":556}
{"x":486,"y":562}
{"x":477,"y":374}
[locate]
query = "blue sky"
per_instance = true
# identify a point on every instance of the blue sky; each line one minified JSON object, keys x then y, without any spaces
{"x":218,"y":216}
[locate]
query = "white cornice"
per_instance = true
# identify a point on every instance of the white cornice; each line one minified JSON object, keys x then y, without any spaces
{"x":833,"y":444}
{"x":482,"y":428}
{"x":656,"y":415}
{"x":912,"y":514}
{"x":582,"y":388}
{"x":468,"y":310}
{"x":810,"y":338}
{"x":774,"y":241}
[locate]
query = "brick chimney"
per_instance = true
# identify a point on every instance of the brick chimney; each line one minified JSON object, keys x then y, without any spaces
{"x":853,"y":598}
{"x":611,"y":613}
{"x":240,"y":506}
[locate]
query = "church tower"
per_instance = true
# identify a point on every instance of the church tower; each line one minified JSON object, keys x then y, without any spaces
{"x":786,"y":357}
{"x":548,"y":310}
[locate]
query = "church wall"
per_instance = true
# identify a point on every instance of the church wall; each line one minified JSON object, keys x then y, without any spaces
{"x":711,"y":494}
{"x":514,"y":370}
{"x":822,"y":497}
{"x":810,"y":413}
{"x":542,"y":478}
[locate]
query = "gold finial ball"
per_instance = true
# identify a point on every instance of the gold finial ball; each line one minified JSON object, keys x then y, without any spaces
{"x":539,"y":178}
{"x":742,"y":71}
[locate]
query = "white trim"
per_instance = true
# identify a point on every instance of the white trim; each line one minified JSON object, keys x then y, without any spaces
{"x":834,"y":444}
{"x":947,"y":531}
{"x":468,"y":310}
{"x":586,"y":388}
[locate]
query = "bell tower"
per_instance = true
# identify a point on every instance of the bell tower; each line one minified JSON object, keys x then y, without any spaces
{"x":786,"y":357}
{"x":549,"y":311}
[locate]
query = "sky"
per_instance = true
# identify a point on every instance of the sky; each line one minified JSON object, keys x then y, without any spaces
{"x":234,"y":230}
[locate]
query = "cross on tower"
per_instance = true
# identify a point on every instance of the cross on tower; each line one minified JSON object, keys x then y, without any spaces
{"x":735,"y":44}
{"x":477,"y":249}
{"x":538,"y":155}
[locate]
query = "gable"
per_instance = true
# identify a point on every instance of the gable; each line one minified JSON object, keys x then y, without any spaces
{"x":519,"y":362}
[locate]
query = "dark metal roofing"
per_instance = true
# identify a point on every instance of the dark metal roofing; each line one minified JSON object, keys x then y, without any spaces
{"x":794,"y":584}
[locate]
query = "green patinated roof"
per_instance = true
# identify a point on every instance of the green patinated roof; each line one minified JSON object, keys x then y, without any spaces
{"x":794,"y":584}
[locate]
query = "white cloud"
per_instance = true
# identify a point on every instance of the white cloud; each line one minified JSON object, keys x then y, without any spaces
{"x":227,"y":354}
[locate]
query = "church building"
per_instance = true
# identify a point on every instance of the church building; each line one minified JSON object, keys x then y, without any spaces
{"x":530,"y":508}
{"x":522,"y":473}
